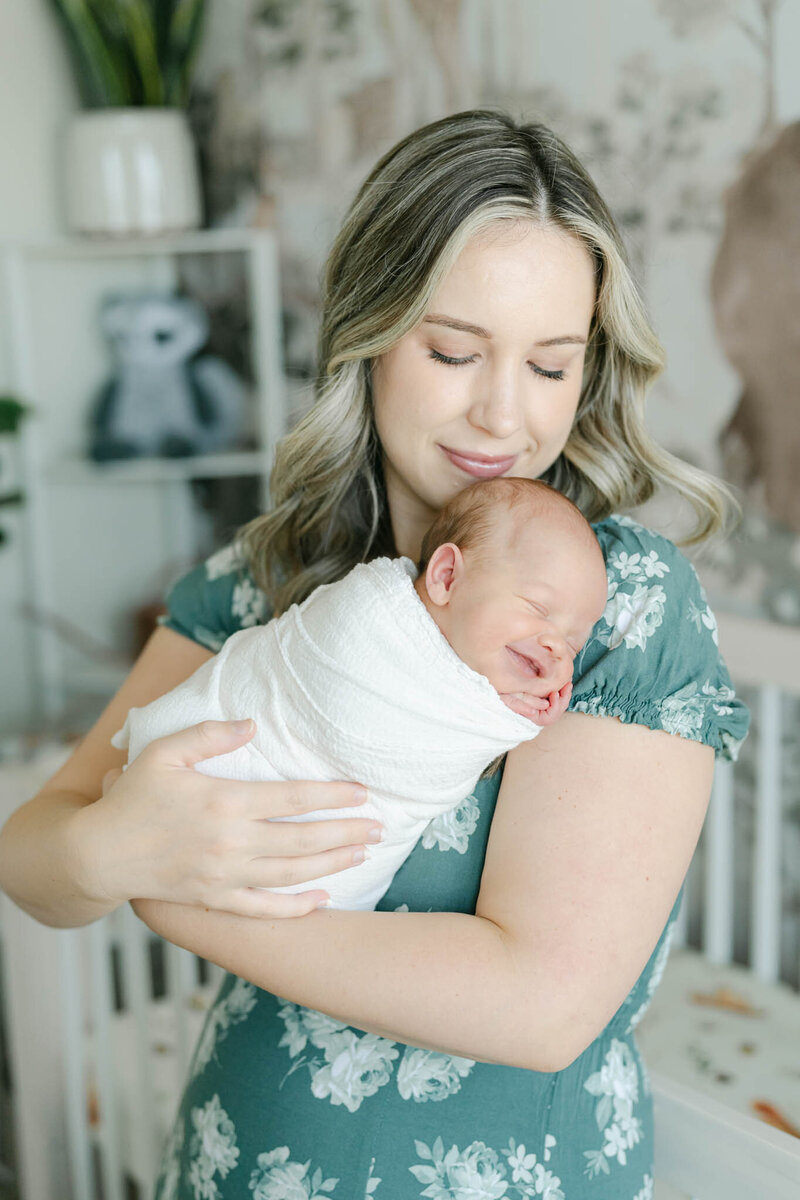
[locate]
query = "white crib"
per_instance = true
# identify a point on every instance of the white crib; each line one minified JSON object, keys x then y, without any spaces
{"x":100,"y":1035}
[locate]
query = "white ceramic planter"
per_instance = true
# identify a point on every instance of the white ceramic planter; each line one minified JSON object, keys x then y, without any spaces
{"x":131,"y":171}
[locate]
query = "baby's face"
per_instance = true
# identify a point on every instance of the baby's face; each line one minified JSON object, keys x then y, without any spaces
{"x":519,"y":612}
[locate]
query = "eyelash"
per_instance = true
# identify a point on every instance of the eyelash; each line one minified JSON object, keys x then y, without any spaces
{"x":557,"y":376}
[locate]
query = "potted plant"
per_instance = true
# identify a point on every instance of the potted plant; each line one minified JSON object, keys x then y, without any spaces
{"x":11,"y":413}
{"x":130,"y":158}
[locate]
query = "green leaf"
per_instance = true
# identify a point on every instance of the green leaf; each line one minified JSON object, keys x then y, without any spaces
{"x":11,"y":413}
{"x":137,"y":19}
{"x":98,"y":69}
{"x":184,"y":38}
{"x":133,"y":52}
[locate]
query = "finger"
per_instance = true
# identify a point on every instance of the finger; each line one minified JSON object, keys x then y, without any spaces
{"x":296,"y":797}
{"x":290,"y":839}
{"x":286,"y":872}
{"x":110,"y":778}
{"x":206,"y":740}
{"x":255,"y":902}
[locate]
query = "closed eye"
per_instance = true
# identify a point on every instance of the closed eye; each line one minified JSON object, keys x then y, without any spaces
{"x":538,"y":608}
{"x":461,"y":362}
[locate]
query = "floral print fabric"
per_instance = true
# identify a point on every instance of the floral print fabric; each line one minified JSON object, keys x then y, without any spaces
{"x":285,"y":1103}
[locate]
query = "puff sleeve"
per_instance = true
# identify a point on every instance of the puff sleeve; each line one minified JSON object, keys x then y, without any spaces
{"x":653,"y":658}
{"x":215,"y":599}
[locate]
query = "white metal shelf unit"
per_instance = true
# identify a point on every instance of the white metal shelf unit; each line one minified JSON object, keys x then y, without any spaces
{"x":56,"y":361}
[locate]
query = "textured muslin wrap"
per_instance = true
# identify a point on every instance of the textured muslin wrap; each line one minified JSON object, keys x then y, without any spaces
{"x":355,"y":683}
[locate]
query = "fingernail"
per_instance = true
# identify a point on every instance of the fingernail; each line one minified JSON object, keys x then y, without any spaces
{"x":325,"y":903}
{"x":359,"y":855}
{"x":375,"y":834}
{"x":242,"y":726}
{"x":359,"y":794}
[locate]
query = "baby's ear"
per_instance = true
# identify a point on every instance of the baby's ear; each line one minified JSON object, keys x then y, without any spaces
{"x":445,"y":566}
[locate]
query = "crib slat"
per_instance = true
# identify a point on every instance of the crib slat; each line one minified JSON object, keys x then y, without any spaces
{"x":718,"y":898}
{"x":75,"y":1078}
{"x":680,"y":931}
{"x":144,"y":1135}
{"x":180,"y":968}
{"x":766,"y":911}
{"x":102,"y":1004}
{"x":216,"y":974}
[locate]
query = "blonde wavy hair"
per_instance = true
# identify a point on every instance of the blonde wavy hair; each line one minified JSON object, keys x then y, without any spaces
{"x":421,"y":204}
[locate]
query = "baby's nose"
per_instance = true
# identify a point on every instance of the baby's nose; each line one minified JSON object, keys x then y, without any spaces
{"x":551,"y":640}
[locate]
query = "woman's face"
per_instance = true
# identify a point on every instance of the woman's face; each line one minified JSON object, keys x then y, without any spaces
{"x":506,"y":405}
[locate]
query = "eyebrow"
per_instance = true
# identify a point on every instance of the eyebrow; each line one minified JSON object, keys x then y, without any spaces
{"x":569,"y":339}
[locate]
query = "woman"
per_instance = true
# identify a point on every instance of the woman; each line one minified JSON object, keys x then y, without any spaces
{"x":479,"y":319}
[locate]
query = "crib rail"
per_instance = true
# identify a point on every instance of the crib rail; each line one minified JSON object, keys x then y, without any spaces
{"x":94,"y":1091}
{"x":765,"y":659}
{"x":713,"y":1153}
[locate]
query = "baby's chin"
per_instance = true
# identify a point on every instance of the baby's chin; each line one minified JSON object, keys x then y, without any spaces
{"x":525,"y":704}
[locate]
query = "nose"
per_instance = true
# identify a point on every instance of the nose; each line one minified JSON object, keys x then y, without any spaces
{"x":498,"y":411}
{"x":552,"y":641}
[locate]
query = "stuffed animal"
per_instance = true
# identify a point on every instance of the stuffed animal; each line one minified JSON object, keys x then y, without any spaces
{"x":165,"y":399}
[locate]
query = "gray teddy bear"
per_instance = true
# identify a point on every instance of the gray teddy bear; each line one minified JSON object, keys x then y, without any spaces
{"x":165,"y":399}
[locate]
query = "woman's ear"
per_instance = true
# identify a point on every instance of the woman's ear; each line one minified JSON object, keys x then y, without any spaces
{"x":445,"y":566}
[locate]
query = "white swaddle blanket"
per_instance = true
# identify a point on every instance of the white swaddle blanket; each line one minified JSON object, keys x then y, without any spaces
{"x":355,"y":683}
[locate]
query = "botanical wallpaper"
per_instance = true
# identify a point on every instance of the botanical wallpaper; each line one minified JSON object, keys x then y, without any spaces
{"x":312,"y":91}
{"x":683,"y":110}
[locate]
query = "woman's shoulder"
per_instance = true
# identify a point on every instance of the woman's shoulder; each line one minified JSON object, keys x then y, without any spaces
{"x":653,"y":658}
{"x":631,"y":548}
{"x":215,"y":599}
{"x":647,"y":566}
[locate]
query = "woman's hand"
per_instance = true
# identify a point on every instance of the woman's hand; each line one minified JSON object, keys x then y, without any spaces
{"x":163,"y":831}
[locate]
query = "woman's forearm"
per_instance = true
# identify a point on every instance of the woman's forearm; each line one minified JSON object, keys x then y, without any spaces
{"x":440,"y":981}
{"x":41,"y":866}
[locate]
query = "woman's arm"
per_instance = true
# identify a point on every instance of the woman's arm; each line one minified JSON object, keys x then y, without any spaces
{"x":163,"y":830}
{"x":42,"y":867}
{"x":594,"y":828}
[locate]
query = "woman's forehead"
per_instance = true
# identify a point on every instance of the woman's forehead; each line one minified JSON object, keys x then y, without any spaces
{"x":539,"y":286}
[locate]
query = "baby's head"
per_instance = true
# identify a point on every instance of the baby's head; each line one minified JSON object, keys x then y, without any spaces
{"x":515,"y":579}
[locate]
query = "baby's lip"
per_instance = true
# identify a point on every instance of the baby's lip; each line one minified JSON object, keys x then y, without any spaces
{"x":531,"y":666}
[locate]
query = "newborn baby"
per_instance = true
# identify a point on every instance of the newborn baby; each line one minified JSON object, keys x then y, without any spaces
{"x":409,"y":680}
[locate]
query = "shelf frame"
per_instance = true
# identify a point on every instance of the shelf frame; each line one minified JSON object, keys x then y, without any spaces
{"x":259,"y":248}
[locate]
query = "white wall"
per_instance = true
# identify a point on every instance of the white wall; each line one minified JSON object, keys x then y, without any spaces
{"x":37,"y":94}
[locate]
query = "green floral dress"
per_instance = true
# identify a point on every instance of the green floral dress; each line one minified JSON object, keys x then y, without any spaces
{"x":285,"y":1103}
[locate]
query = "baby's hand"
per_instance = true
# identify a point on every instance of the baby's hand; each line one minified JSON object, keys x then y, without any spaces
{"x":557,"y":705}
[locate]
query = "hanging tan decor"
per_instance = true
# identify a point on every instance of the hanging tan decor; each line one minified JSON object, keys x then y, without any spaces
{"x":755,"y":289}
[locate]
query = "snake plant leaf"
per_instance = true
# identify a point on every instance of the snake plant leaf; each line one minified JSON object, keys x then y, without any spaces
{"x":137,"y":18}
{"x":133,"y":52}
{"x":185,"y":35}
{"x":100,"y":81}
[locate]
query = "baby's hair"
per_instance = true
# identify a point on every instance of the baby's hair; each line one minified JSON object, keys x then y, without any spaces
{"x":469,"y":520}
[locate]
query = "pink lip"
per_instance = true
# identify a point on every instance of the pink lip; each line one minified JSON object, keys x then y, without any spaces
{"x":524,"y":662}
{"x":481,"y":466}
